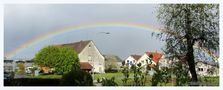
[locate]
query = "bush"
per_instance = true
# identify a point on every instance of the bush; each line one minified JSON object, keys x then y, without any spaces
{"x":111,"y":70}
{"x":31,"y":82}
{"x":109,"y":82}
{"x":77,"y":78}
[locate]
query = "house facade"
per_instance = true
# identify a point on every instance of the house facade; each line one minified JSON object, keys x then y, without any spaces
{"x":12,"y":65}
{"x":88,"y":54}
{"x":9,"y":65}
{"x":206,"y":69}
{"x":156,"y":57}
{"x":132,"y":60}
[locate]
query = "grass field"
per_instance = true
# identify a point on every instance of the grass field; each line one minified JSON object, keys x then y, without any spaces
{"x":47,"y":76}
{"x":206,"y":81}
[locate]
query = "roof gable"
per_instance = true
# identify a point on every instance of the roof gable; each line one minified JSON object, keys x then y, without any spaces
{"x":136,"y":57}
{"x":156,"y":56}
{"x":77,"y":46}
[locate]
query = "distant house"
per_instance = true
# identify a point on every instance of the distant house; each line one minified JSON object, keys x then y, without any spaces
{"x":28,"y":65}
{"x":156,"y":57}
{"x":132,"y":60}
{"x":89,"y":55}
{"x":207,"y":69}
{"x":12,"y":65}
{"x":9,"y":65}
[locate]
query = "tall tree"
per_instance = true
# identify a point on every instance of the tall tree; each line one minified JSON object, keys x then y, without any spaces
{"x":63,"y":59}
{"x":187,"y":25}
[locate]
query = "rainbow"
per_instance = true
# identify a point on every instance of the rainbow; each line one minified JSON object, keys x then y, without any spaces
{"x":62,"y":30}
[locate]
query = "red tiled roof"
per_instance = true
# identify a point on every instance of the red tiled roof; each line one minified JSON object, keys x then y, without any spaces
{"x":85,"y":65}
{"x":156,"y":56}
{"x":77,"y":46}
{"x":136,"y":57}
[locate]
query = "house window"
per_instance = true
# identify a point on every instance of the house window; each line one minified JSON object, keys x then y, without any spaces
{"x":127,"y":61}
{"x":89,"y":58}
{"x":89,"y":46}
{"x":200,"y":69}
{"x":130,"y":62}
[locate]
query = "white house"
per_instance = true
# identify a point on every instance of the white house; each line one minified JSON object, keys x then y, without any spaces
{"x":144,"y":60}
{"x":206,"y":69}
{"x":132,"y":60}
{"x":9,"y":65}
{"x":89,"y":55}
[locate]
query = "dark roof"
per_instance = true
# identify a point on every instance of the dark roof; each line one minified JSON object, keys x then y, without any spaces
{"x":85,"y":65}
{"x":20,"y":61}
{"x":29,"y":61}
{"x":156,"y":56}
{"x":207,"y":62}
{"x":8,"y":60}
{"x":136,"y":57}
{"x":77,"y":46}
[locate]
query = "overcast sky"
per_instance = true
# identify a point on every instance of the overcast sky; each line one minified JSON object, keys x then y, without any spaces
{"x":24,"y":22}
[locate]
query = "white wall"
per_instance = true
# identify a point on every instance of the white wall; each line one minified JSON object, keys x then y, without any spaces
{"x":205,"y":68}
{"x":129,"y":60}
{"x":91,"y":54}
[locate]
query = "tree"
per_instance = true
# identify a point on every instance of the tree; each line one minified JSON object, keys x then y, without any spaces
{"x":109,"y":82}
{"x":62,"y":59}
{"x":187,"y":25}
{"x":111,"y":63}
{"x":21,"y":68}
{"x":125,"y":72}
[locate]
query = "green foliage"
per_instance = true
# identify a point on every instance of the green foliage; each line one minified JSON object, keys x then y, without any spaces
{"x":186,"y":25}
{"x":62,"y":59}
{"x":111,"y":65}
{"x":67,"y":61}
{"x":111,"y":62}
{"x":77,"y":78}
{"x":52,"y":76}
{"x":109,"y":82}
{"x":161,"y":74}
{"x":98,"y":80}
{"x":21,"y":69}
{"x":125,"y":71}
{"x":181,"y":72}
{"x":138,"y":76}
{"x":31,"y":82}
{"x":47,"y":56}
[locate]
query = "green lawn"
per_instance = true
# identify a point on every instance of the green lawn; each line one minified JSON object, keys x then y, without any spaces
{"x":47,"y":76}
{"x":108,"y":75}
{"x":206,"y":81}
{"x":119,"y":76}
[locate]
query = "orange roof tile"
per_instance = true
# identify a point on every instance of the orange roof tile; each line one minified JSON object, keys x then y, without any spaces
{"x":156,"y":56}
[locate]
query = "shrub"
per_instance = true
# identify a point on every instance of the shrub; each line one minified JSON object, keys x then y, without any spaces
{"x":31,"y":82}
{"x":109,"y":82}
{"x":21,"y":68}
{"x":98,"y":80}
{"x":110,"y":70}
{"x":77,"y":78}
